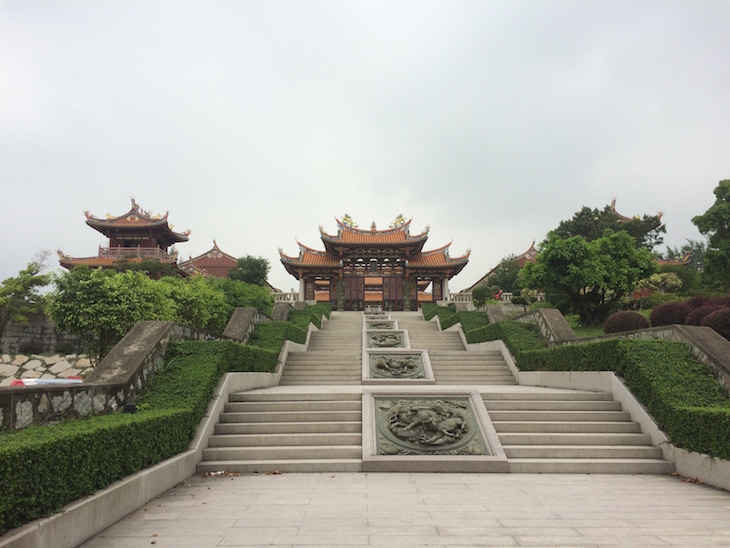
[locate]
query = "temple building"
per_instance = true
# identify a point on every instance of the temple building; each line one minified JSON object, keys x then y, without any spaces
{"x":133,"y":237}
{"x":214,"y":263}
{"x":373,"y":267}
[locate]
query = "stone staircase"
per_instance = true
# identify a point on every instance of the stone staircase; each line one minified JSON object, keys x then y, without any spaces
{"x":334,"y":355}
{"x":313,"y":421}
{"x":560,"y":431}
{"x":292,"y":431}
{"x":451,"y":362}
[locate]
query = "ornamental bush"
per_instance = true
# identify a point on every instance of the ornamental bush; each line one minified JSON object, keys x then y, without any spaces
{"x":719,"y":321}
{"x":626,"y":320}
{"x":669,"y":314}
{"x":696,"y":315}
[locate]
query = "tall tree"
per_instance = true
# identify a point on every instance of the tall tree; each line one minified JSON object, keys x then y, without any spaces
{"x":250,"y":269}
{"x":505,"y":274}
{"x":592,"y":223}
{"x":19,"y":296}
{"x":715,"y":224}
{"x":694,"y":250}
{"x":594,"y":275}
{"x":101,"y":306}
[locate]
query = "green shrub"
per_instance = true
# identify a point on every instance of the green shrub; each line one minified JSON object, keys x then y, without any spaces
{"x":669,"y":314}
{"x":696,"y":315}
{"x":517,"y":336}
{"x":626,"y":320}
{"x":468,"y":319}
{"x":443,"y":312}
{"x":43,"y":468}
{"x":719,"y":321}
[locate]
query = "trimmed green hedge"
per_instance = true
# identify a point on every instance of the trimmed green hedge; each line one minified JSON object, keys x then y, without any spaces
{"x":517,"y":336}
{"x":687,"y":402}
{"x":443,"y":312}
{"x":448,"y":316}
{"x":469,"y":320}
{"x":42,"y":468}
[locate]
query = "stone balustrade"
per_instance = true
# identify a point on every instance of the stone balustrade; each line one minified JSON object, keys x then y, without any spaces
{"x":459,"y":298}
{"x":290,"y":297}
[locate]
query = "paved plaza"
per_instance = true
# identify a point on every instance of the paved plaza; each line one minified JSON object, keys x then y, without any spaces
{"x":439,"y":510}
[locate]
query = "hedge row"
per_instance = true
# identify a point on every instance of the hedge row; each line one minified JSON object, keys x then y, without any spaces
{"x":468,"y":319}
{"x":42,"y":468}
{"x":687,"y":402}
{"x":443,"y":312}
{"x":311,"y":314}
{"x":519,"y":337}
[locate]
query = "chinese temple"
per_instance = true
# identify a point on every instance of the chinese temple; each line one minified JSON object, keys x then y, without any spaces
{"x":360,"y":268}
{"x":133,"y":237}
{"x":214,"y":263}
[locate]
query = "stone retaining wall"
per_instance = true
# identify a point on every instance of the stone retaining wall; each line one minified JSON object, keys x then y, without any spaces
{"x":38,"y":336}
{"x":551,"y":323}
{"x":115,"y":380}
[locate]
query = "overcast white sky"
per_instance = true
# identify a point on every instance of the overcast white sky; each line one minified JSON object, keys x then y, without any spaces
{"x":256,"y":122}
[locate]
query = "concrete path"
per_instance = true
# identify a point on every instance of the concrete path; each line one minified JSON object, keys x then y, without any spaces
{"x":402,"y":509}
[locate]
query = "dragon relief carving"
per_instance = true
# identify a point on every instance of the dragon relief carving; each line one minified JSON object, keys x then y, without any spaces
{"x":445,"y":427}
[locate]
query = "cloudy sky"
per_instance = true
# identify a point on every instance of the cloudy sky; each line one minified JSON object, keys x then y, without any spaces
{"x":253,"y":123}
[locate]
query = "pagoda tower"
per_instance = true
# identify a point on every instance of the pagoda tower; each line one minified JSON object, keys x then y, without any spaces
{"x":133,"y":237}
{"x":373,"y":267}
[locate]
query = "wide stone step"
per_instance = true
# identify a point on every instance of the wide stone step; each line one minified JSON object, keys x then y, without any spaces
{"x":289,"y":396}
{"x":585,"y":438}
{"x":329,"y":382}
{"x":548,"y":396}
{"x":288,"y":427}
{"x":591,"y":416}
{"x":278,"y":406}
{"x":582,"y":452}
{"x":285,"y":439}
{"x":314,"y":374}
{"x":292,"y":416}
{"x":484,"y":367}
{"x":284,"y":452}
{"x":547,"y":405}
{"x":282,"y":465}
{"x":590,"y":466}
{"x":332,"y":368}
{"x":575,"y":426}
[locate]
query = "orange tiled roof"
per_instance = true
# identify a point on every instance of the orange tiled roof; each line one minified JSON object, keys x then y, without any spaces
{"x":437,"y":258}
{"x":310,"y":257}
{"x":135,"y":218}
{"x":349,"y":235}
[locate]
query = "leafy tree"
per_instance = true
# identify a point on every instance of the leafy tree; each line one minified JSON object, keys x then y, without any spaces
{"x":715,"y":223}
{"x":480,"y":295}
{"x":696,"y":250}
{"x":664,"y":282}
{"x":592,"y":223}
{"x":506,"y":274}
{"x":19,"y":296}
{"x":153,"y":268}
{"x":241,"y":294}
{"x":197,"y":302}
{"x":594,"y":275}
{"x":689,"y":277}
{"x":101,"y":306}
{"x":250,"y":269}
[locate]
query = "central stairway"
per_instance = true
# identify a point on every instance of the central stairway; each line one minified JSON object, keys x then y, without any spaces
{"x":312,"y":421}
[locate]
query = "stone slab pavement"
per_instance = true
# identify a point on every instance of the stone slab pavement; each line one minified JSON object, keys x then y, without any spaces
{"x":437,"y":510}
